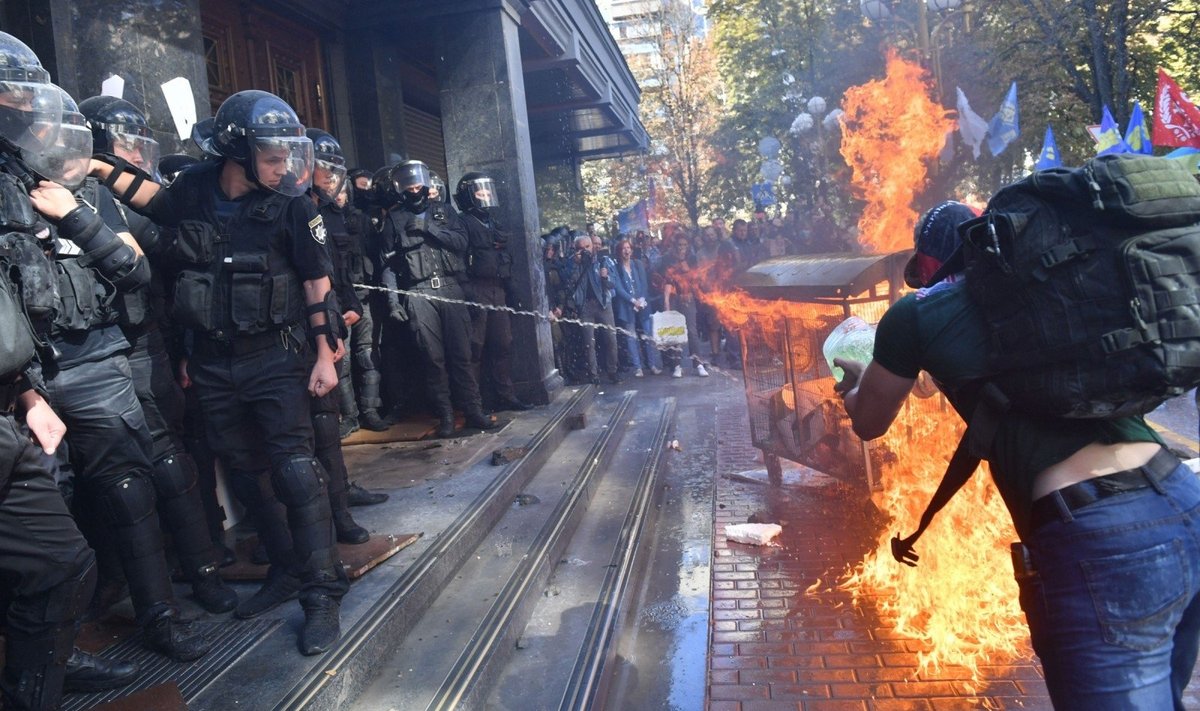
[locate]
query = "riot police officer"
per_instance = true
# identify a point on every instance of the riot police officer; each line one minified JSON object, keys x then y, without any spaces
{"x":329,"y":174}
{"x":423,"y":253}
{"x":118,"y":128}
{"x":47,"y":568}
{"x":88,"y":378}
{"x":253,"y":287}
{"x":489,"y":265}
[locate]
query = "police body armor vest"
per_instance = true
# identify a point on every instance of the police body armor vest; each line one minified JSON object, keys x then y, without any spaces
{"x":28,"y":287}
{"x":236,"y":280}
{"x":487,"y":255}
{"x":418,"y":261}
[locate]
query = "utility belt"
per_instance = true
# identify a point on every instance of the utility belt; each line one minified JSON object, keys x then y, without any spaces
{"x":219,"y":344}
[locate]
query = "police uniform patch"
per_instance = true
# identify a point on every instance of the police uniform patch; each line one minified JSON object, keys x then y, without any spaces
{"x":317,"y":226}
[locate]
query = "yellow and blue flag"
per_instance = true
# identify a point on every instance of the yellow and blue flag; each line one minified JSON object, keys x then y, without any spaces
{"x":1004,"y":126}
{"x":1109,"y":140}
{"x":1049,"y":157}
{"x":1137,"y":136}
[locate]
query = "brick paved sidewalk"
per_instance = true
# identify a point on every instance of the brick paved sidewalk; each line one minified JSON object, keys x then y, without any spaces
{"x":772,"y":646}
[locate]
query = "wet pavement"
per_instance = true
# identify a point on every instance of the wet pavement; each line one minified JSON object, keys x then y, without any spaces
{"x":783,"y":637}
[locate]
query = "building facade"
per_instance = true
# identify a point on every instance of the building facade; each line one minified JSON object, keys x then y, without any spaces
{"x":525,"y":90}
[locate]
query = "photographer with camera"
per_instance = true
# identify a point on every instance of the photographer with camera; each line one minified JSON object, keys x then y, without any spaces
{"x":591,"y":294}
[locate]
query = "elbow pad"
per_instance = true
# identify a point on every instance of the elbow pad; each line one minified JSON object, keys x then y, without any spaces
{"x":334,"y":326}
{"x":108,"y":253}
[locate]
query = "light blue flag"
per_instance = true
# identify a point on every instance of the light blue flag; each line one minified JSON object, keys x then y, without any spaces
{"x":633,"y":218}
{"x":1137,"y":136}
{"x":1109,"y":140}
{"x":1049,"y":157}
{"x":1004,"y":127}
{"x":763,"y":194}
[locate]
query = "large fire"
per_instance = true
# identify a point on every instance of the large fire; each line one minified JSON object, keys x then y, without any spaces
{"x":961,"y":601}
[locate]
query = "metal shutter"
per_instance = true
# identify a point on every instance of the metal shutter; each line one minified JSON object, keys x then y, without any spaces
{"x":423,"y":138}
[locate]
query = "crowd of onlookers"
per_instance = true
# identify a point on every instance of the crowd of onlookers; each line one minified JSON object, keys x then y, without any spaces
{"x":619,"y":284}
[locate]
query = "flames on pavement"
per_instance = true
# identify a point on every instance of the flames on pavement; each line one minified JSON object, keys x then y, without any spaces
{"x":960,"y":603}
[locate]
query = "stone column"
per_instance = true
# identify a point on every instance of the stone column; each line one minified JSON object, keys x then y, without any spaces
{"x":486,"y":128}
{"x":376,"y":102}
{"x":146,"y":42}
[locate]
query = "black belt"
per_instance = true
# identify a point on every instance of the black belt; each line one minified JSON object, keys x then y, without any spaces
{"x":240,"y":345}
{"x":1084,"y":493}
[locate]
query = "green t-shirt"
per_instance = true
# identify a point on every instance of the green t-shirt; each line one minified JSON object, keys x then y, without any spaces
{"x":940,"y":332}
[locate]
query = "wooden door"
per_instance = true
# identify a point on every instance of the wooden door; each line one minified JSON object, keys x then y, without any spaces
{"x":247,"y":47}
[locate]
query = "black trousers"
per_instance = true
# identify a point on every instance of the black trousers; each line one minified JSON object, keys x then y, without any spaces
{"x":43,"y":560}
{"x":257,"y":415}
{"x":491,"y":340}
{"x":443,"y":335}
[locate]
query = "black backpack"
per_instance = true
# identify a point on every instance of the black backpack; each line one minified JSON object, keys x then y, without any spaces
{"x":1088,"y":281}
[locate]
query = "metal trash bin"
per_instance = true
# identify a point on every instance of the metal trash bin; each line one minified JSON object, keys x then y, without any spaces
{"x":794,"y":412}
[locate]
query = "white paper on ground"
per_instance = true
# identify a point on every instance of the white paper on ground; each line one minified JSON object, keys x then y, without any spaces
{"x":756,"y":534}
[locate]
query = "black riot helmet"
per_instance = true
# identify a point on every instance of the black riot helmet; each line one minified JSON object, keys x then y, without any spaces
{"x":411,"y":180}
{"x":65,"y":159}
{"x":260,"y":132}
{"x":476,"y":193}
{"x":120,"y":129}
{"x":202,"y":132}
{"x":30,"y":106}
{"x":329,"y":173}
{"x":383,"y":191}
{"x":173,"y":164}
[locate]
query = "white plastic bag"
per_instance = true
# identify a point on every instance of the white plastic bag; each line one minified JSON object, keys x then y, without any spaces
{"x":669,"y":328}
{"x":852,"y":339}
{"x":756,"y":534}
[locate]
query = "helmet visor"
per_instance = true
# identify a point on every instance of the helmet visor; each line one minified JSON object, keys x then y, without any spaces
{"x":30,"y":114}
{"x":283,"y":164}
{"x":483,"y":193}
{"x":135,"y":144}
{"x":329,"y":176}
{"x":409,"y":175}
{"x":65,"y":161}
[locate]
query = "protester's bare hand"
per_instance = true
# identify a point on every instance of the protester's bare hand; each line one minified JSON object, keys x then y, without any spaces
{"x":853,"y":370}
{"x":351,"y":318}
{"x":340,"y":352}
{"x":52,"y":200}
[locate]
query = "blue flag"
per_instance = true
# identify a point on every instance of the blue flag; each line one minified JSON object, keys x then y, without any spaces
{"x":1137,"y":137}
{"x":1109,"y":140}
{"x":1049,"y":157}
{"x":1004,"y":127}
{"x":633,"y":218}
{"x":763,"y":194}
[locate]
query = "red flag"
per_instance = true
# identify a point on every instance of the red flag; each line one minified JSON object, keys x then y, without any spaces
{"x":1176,"y":120}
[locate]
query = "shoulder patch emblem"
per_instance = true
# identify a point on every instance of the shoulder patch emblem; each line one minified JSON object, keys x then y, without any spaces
{"x":317,"y":227}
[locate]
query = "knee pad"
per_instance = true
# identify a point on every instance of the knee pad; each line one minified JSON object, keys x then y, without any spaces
{"x":299,"y":481}
{"x":325,"y":430}
{"x":128,"y":502}
{"x":174,"y":475}
{"x":364,"y":360}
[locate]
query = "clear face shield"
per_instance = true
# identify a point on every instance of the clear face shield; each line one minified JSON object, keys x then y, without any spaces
{"x":66,"y":160}
{"x":410,"y":176}
{"x":329,"y":176}
{"x":283,"y":163}
{"x":136,"y":145}
{"x":483,"y":193}
{"x":30,"y":114}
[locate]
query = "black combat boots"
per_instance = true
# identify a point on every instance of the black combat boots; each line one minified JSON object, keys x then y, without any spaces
{"x":321,"y":628}
{"x":211,"y":592}
{"x":280,"y":587}
{"x":174,"y":637}
{"x":87,"y":673}
{"x":358,"y":496}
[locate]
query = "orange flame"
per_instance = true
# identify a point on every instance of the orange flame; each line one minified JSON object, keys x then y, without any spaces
{"x":961,"y":602}
{"x":890,"y":131}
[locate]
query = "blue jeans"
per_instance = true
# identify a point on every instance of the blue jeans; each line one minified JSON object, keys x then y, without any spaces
{"x":1114,"y":610}
{"x":634,"y":344}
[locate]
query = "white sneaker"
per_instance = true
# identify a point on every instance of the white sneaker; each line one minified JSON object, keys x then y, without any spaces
{"x":656,"y":371}
{"x":638,"y":373}
{"x":701,"y":371}
{"x":678,"y":372}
